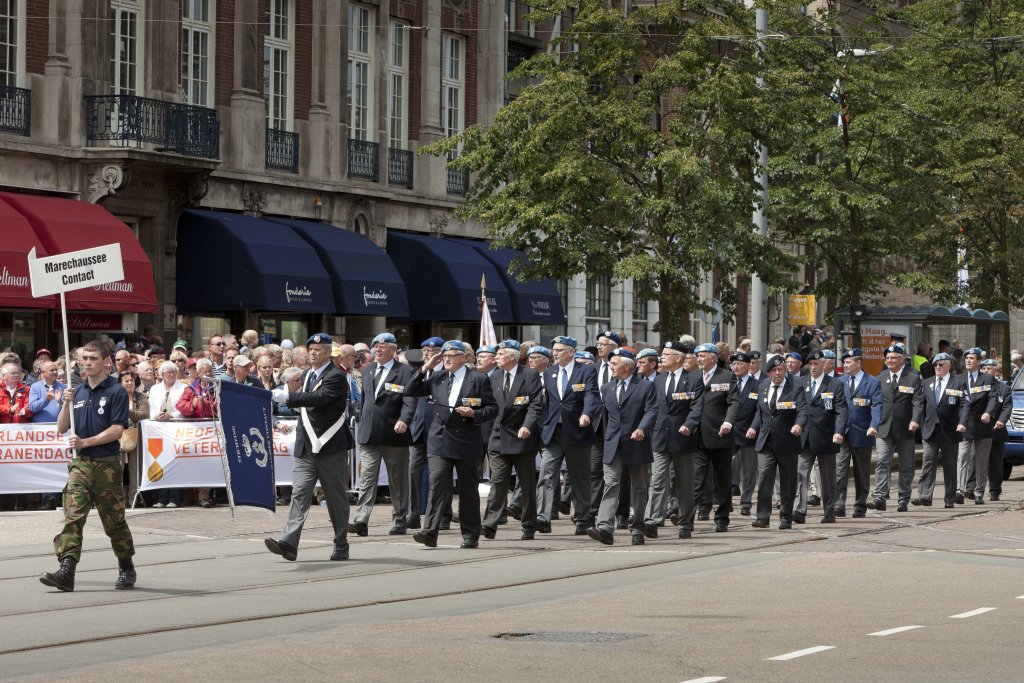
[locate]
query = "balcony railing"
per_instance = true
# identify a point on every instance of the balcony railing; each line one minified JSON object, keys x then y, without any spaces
{"x":517,"y":54}
{"x":282,"y":150}
{"x":400,"y":167}
{"x":458,"y":181}
{"x":132,"y":121}
{"x":15,"y":110}
{"x":363,"y":159}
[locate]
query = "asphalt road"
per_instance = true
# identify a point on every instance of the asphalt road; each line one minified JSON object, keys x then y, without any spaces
{"x":928,"y":595}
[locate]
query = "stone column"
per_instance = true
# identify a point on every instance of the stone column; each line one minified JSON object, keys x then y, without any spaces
{"x":246,"y":135}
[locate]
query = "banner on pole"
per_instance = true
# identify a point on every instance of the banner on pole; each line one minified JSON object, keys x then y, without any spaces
{"x":802,"y":309}
{"x":75,"y":269}
{"x":245,"y":417}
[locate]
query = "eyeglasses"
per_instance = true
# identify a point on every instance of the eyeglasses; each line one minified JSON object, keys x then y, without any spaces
{"x":133,"y":364}
{"x":220,"y":343}
{"x":180,"y":360}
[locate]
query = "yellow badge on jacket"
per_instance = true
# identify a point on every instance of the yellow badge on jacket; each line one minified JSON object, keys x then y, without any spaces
{"x":471,"y":402}
{"x":521,"y":400}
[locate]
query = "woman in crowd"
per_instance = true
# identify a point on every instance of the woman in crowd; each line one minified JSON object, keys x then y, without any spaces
{"x":265,"y":373}
{"x":138,"y":409}
{"x":163,"y":400}
{"x":199,"y":402}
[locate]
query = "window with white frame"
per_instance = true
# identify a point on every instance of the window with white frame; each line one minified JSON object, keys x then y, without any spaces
{"x":12,"y":43}
{"x":278,"y":64}
{"x":398,"y":85}
{"x":360,"y":72}
{"x":453,"y":76}
{"x":510,"y":15}
{"x":197,"y":36}
{"x":531,"y":28}
{"x":599,"y":296}
{"x":640,"y":315}
{"x":126,"y":42}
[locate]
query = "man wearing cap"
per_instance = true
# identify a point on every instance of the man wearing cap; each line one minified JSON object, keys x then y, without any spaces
{"x":974,"y":449}
{"x":631,"y":410}
{"x":572,"y":402}
{"x":382,"y":433}
{"x":321,"y":449}
{"x":827,"y":415}
{"x":744,"y":460}
{"x":995,"y":455}
{"x":418,"y":431}
{"x":486,"y":362}
{"x":794,"y":363}
{"x":778,"y":424}
{"x":946,"y":411}
{"x":515,"y":438}
{"x":902,"y":413}
{"x":755,"y":366}
{"x":607,"y":341}
{"x":714,"y":456}
{"x":647,"y":364}
{"x":679,"y":397}
{"x":864,"y":401}
{"x":462,"y":401}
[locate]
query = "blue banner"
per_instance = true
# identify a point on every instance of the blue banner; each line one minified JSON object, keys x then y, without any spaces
{"x":245,"y":416}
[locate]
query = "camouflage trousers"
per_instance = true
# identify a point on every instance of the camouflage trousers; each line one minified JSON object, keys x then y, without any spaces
{"x":94,"y":482}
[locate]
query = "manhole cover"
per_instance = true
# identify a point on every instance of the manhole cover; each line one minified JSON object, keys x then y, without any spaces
{"x":568,"y":637}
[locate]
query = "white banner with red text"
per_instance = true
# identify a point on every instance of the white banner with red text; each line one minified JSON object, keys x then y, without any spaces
{"x":33,"y":458}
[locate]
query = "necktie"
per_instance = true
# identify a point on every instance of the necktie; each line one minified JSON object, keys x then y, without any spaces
{"x":938,"y":391}
{"x":707,"y":378}
{"x":671,"y":386}
{"x":895,"y":379}
{"x":377,"y":378}
{"x":604,"y":375}
{"x":508,"y":384}
{"x":853,"y":385}
{"x":772,"y":402}
{"x":564,"y":383}
{"x":622,"y":390}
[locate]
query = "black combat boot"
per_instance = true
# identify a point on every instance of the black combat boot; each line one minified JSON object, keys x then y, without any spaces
{"x":63,"y":578}
{"x":126,"y":575}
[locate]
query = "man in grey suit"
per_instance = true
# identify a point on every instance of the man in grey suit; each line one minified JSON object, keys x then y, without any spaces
{"x":322,"y":442}
{"x":902,"y":413}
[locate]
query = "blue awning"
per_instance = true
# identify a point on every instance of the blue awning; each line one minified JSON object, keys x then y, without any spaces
{"x":365,"y":280}
{"x":231,"y":262}
{"x":442,"y":279}
{"x":534,"y":302}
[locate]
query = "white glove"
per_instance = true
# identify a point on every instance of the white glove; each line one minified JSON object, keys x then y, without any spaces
{"x":279,"y":395}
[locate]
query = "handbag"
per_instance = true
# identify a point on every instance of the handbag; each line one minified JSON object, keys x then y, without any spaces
{"x":129,"y":439}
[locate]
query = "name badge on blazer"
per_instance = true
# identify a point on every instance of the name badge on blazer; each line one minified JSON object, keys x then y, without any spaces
{"x":395,"y":388}
{"x":721,"y":387}
{"x":785,"y":405}
{"x":906,"y":390}
{"x":862,"y":402}
{"x":952,"y":400}
{"x":827,"y":395}
{"x":579,"y":387}
{"x":978,"y":390}
{"x":521,"y":400}
{"x":471,"y":402}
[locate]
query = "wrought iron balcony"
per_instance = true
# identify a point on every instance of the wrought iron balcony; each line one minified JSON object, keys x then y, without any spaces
{"x":458,"y":181}
{"x":400,"y":167}
{"x":363,"y":159}
{"x":15,"y":110}
{"x":282,"y":150}
{"x":132,"y":121}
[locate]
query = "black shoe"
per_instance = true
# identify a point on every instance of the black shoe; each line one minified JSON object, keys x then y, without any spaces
{"x":877,"y":504}
{"x":786,"y":525}
{"x":488,"y":533}
{"x":814,"y":501}
{"x":514,"y":513}
{"x":978,"y":500}
{"x":621,"y":522}
{"x":735,"y":490}
{"x":527,"y":535}
{"x":651,"y":530}
{"x":339,"y":554}
{"x":358,"y":528}
{"x":470,"y":542}
{"x":564,"y":508}
{"x":859,"y":513}
{"x":959,"y":498}
{"x":446,"y":525}
{"x":126,"y":575}
{"x":601,"y":535}
{"x":800,"y":519}
{"x":721,"y":527}
{"x":921,"y":501}
{"x":413,"y":523}
{"x":840,"y":512}
{"x":425,"y":538}
{"x":685,"y":533}
{"x":948,"y":505}
{"x":745,"y":510}
{"x":581,"y":529}
{"x":503,"y":519}
{"x":993,"y":495}
{"x":759,"y":524}
{"x":281,"y":548}
{"x":638,"y":539}
{"x":703,"y":516}
{"x":397,"y":530}
{"x":828,"y":520}
{"x":543,"y":527}
{"x":902,"y":507}
{"x":673,"y":516}
{"x":62,"y":579}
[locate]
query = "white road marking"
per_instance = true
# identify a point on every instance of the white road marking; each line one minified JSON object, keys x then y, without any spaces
{"x":706,"y":679}
{"x":972,"y":613}
{"x":890,"y":631}
{"x":1020,"y":597}
{"x":801,"y":653}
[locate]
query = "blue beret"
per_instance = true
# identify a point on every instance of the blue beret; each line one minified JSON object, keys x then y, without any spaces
{"x":896,"y":348}
{"x":939,"y":357}
{"x":623,"y":353}
{"x":974,"y":350}
{"x":565,"y":341}
{"x":609,"y":334}
{"x":490,"y":348}
{"x":319,"y":338}
{"x":542,"y":350}
{"x":829,"y":354}
{"x":706,"y":348}
{"x":454,"y":345}
{"x":584,"y":355}
{"x":755,"y":355}
{"x":433,"y":342}
{"x":816,"y":355}
{"x":740,"y":357}
{"x":851,"y":353}
{"x":794,"y":354}
{"x":384,"y":338}
{"x":509,"y":344}
{"x":647,"y":353}
{"x":989,"y":363}
{"x":774,"y":362}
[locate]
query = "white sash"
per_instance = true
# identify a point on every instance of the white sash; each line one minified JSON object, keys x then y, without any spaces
{"x":317,"y":442}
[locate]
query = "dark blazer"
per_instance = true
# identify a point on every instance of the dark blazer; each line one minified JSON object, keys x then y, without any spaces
{"x":524,"y":408}
{"x":747,"y":402}
{"x":901,"y":404}
{"x":421,"y":420}
{"x":325,"y":403}
{"x":865,"y":410}
{"x":639,"y":410}
{"x":378,"y":416}
{"x":682,"y":408}
{"x":720,"y":403}
{"x":941,"y":419}
{"x":451,"y":435}
{"x":773,"y":426}
{"x":582,"y":398}
{"x":827,"y":414}
{"x":598,"y":418}
{"x":983,"y":400}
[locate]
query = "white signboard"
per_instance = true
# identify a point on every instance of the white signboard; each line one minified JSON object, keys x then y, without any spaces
{"x":75,"y":269}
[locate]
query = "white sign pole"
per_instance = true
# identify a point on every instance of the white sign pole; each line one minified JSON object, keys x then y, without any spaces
{"x":67,"y":365}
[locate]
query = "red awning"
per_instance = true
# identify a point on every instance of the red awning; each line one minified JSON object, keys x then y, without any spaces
{"x":18,"y":240}
{"x":64,"y":225}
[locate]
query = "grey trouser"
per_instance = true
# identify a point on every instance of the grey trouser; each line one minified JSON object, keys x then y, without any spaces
{"x":744,"y":471}
{"x":664,"y":487}
{"x":501,"y":474}
{"x":332,"y":471}
{"x":640,"y":481}
{"x":577,"y":461}
{"x":973,"y":459}
{"x":826,"y":463}
{"x":396,"y":459}
{"x":945,"y":450}
{"x":767,"y":463}
{"x":861,"y":462}
{"x":596,"y":475}
{"x":417,"y":465}
{"x":883,"y":466}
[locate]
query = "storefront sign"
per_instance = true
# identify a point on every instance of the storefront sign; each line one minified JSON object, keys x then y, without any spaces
{"x":90,"y":322}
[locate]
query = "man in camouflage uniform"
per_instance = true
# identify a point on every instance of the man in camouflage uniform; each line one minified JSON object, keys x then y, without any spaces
{"x":95,"y":474}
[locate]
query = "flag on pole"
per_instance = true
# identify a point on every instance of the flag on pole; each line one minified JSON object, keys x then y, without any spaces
{"x":487,"y":335}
